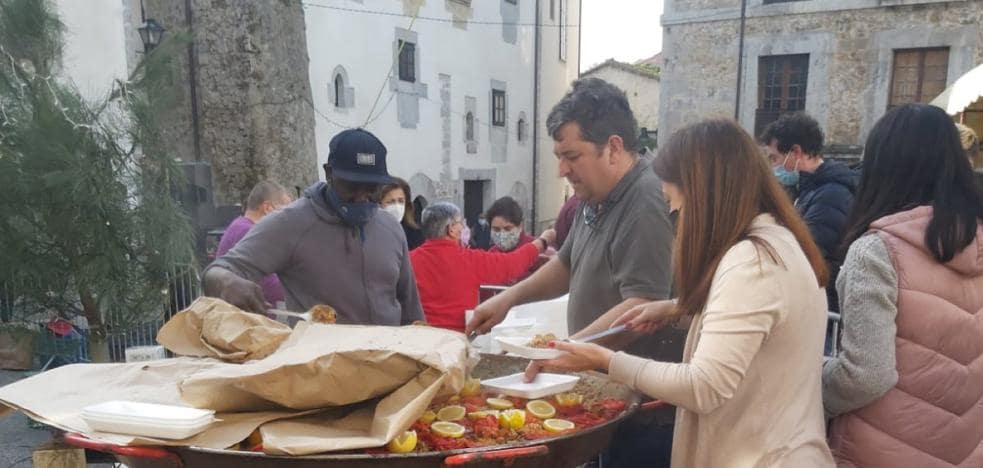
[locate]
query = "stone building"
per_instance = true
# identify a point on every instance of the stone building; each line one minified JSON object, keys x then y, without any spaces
{"x":640,"y":82}
{"x":844,"y":61}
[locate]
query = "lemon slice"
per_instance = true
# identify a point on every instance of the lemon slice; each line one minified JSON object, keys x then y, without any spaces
{"x":447,"y":429}
{"x":451,"y":413}
{"x":482,"y":414}
{"x":558,"y":425}
{"x":500,"y":403}
{"x":472,"y":387}
{"x":428,"y":417}
{"x":569,"y":399}
{"x":541,"y":409}
{"x":512,"y":419}
{"x":403,"y":443}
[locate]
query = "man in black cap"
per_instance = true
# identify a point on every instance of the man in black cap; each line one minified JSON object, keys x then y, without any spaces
{"x":329,"y":247}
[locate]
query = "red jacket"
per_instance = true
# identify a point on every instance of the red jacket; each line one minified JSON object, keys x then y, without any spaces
{"x":448,"y":277}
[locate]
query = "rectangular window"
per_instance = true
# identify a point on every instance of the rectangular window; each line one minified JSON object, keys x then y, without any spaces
{"x":781,"y":87}
{"x":407,"y":61}
{"x":498,"y":108}
{"x":919,"y":75}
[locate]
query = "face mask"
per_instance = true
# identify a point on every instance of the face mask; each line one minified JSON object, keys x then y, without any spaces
{"x":398,"y":210}
{"x":785,"y":176}
{"x":505,"y":240}
{"x":465,"y":236}
{"x":355,"y":214}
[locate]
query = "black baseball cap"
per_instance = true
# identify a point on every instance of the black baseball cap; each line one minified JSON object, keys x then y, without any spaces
{"x":356,"y":155}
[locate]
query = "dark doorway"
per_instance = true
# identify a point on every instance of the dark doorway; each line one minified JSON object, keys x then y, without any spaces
{"x":474,"y":200}
{"x":419,"y":204}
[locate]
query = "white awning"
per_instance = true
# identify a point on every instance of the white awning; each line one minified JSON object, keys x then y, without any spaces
{"x":964,"y":92}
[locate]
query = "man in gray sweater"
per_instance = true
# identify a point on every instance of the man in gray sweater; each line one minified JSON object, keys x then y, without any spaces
{"x":329,"y":247}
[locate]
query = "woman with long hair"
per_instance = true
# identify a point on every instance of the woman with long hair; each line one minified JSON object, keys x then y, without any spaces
{"x":750,"y":280}
{"x":906,"y":388}
{"x":397,"y":200}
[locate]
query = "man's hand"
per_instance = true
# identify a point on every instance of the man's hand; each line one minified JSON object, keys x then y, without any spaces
{"x":575,"y":357}
{"x":549,"y":236}
{"x":488,"y":314}
{"x":648,"y":317}
{"x":237,"y":291}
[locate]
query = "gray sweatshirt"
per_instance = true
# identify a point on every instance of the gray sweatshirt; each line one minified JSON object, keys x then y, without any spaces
{"x":321,"y":260}
{"x":864,"y":370}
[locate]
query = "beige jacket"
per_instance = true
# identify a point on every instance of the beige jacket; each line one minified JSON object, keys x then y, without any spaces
{"x":748,"y":390}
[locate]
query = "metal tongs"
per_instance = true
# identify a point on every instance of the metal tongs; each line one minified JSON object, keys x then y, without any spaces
{"x":597,"y":336}
{"x":306,"y":316}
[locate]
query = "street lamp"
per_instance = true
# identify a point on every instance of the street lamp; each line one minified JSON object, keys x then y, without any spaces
{"x":150,"y":33}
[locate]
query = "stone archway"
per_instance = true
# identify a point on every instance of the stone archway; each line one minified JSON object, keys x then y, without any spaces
{"x":421,"y":185}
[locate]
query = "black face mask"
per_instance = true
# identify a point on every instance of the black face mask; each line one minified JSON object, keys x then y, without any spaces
{"x":354,"y":214}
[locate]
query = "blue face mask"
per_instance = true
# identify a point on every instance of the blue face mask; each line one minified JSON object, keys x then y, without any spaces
{"x":786,"y":177}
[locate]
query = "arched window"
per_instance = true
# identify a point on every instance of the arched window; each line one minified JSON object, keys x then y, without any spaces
{"x":520,"y":130}
{"x":469,"y":126}
{"x":339,"y":91}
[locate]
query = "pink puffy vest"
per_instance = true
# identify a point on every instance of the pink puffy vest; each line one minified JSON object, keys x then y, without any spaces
{"x":933,"y":417}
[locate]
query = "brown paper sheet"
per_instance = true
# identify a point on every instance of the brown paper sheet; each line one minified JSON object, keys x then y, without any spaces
{"x":211,"y":327}
{"x":379,"y":379}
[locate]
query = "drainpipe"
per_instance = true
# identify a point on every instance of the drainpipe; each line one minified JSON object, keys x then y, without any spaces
{"x":535,"y":119}
{"x":193,"y":81}
{"x":740,"y":61}
{"x":580,"y":36}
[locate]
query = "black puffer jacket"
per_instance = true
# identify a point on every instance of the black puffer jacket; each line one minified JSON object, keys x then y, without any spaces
{"x":825,"y":199}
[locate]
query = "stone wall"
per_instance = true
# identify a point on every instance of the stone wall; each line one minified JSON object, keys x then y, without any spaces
{"x":851,"y":53}
{"x":254,"y":117}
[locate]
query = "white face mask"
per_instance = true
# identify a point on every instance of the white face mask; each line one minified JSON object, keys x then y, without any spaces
{"x":396,"y":209}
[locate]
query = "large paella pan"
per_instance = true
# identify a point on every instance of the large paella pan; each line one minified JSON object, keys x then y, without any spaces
{"x":560,"y":450}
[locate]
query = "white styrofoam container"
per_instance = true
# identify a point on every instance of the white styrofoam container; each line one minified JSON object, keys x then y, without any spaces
{"x":544,"y":385}
{"x":518,"y":345}
{"x":147,"y":419}
{"x":145,"y":353}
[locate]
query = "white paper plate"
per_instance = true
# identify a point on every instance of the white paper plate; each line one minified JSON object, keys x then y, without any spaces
{"x":544,"y":385}
{"x":515,"y":323}
{"x":147,"y":419}
{"x":518,"y":345}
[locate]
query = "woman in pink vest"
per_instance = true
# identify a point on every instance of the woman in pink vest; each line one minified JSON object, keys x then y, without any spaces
{"x":906,"y":389}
